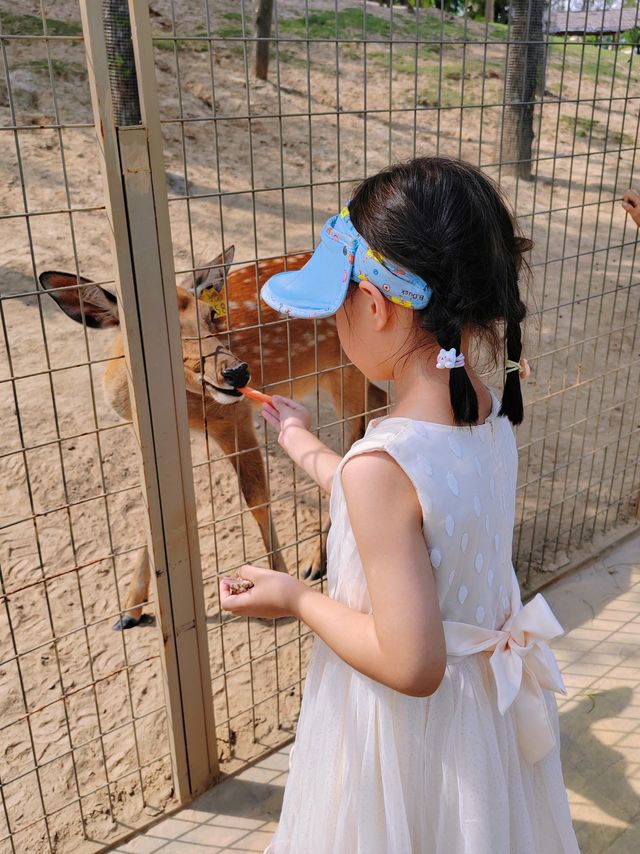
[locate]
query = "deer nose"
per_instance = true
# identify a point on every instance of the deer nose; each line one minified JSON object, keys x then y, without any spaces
{"x":239,"y":376}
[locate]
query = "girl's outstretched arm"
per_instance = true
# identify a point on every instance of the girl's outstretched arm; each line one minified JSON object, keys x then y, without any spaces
{"x":292,"y":421}
{"x":401,"y":644}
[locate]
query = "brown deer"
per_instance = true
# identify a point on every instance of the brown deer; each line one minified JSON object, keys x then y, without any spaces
{"x":290,"y":357}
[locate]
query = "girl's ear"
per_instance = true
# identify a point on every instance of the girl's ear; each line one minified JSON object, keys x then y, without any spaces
{"x":378,"y":305}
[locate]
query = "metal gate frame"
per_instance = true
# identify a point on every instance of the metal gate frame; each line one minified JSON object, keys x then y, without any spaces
{"x":132,"y":166}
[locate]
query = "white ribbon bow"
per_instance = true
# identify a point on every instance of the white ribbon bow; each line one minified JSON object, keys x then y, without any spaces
{"x":522,"y":665}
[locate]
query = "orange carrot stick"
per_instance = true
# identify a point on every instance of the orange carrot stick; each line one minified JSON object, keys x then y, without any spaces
{"x":258,"y":396}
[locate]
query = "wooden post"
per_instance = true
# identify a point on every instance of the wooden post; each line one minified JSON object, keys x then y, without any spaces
{"x":263,"y":32}
{"x":136,"y":202}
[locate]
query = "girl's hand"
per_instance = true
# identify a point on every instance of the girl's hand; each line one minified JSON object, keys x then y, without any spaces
{"x":292,"y":421}
{"x":273,"y":593}
{"x":288,"y":417}
{"x":631,"y":203}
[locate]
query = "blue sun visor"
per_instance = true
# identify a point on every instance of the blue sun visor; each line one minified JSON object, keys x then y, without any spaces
{"x":343,"y":255}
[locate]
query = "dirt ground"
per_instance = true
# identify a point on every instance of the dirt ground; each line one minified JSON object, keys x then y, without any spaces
{"x":71,"y":516}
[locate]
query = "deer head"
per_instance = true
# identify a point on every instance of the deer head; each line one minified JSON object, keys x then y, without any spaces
{"x":207,"y":362}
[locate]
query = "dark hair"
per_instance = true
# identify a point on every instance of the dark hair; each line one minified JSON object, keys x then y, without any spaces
{"x":449,"y":223}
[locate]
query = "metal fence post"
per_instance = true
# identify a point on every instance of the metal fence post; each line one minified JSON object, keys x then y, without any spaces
{"x":136,"y":201}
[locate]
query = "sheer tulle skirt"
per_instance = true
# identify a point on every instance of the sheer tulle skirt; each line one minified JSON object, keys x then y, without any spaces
{"x":376,"y":772}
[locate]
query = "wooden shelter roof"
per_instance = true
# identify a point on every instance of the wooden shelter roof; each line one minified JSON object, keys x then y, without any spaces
{"x":594,"y":22}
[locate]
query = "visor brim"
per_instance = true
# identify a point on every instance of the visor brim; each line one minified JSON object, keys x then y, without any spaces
{"x":316,"y":290}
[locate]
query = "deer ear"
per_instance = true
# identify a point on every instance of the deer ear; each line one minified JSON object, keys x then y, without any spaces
{"x":215,"y":275}
{"x":81,"y":299}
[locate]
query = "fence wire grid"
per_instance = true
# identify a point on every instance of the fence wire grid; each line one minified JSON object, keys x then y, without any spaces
{"x":259,"y":165}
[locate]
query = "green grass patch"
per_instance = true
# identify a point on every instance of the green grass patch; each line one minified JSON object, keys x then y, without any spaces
{"x":439,"y":96}
{"x":446,"y":86}
{"x":593,"y":129}
{"x":618,"y":138}
{"x":589,"y":61}
{"x":581,"y":127}
{"x":498,"y":32}
{"x":31,"y":25}
{"x":60,"y":68}
{"x":232,"y":28}
{"x":347,"y":23}
{"x":433,"y":28}
{"x":403,"y":63}
{"x":163,"y":44}
{"x":350,"y":23}
{"x":404,"y":59}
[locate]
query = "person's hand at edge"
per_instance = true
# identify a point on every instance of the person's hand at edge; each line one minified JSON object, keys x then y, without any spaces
{"x":631,"y":203}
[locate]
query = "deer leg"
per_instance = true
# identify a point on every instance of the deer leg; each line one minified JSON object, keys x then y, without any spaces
{"x":137,"y":594}
{"x":352,"y":397}
{"x":253,"y":482}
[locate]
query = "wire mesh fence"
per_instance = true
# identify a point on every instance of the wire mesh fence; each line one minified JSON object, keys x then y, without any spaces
{"x":85,"y":755}
{"x":253,"y":168}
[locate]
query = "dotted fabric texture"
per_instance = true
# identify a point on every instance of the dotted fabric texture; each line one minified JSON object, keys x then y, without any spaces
{"x":465,"y":479}
{"x":379,"y":772}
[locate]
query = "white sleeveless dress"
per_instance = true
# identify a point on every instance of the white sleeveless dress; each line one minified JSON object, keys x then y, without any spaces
{"x":475,"y":768}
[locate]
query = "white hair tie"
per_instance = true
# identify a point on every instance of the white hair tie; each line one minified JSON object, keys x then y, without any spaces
{"x":449,"y":359}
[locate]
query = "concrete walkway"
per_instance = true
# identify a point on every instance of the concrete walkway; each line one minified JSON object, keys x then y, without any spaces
{"x":599,"y":607}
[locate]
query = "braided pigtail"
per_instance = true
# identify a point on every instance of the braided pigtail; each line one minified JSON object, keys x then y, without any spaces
{"x":512,"y":405}
{"x":464,"y":400}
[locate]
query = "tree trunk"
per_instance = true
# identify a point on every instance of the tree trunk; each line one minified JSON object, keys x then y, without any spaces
{"x":525,"y":67}
{"x":489,"y":11}
{"x":122,"y":68}
{"x":263,"y":31}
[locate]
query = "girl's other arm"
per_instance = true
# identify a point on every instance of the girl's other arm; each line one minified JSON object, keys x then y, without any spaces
{"x":292,"y":421}
{"x":401,"y":644}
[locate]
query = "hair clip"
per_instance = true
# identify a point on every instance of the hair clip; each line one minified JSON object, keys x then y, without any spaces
{"x":522,"y":367}
{"x":449,"y":359}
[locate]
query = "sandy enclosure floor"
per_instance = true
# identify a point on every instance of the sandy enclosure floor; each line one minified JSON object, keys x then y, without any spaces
{"x":71,"y":516}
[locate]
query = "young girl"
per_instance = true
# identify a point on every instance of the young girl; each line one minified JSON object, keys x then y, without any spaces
{"x":428,"y":725}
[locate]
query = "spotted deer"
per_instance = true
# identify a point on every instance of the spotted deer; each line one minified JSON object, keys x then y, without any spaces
{"x":228,"y":340}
